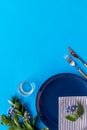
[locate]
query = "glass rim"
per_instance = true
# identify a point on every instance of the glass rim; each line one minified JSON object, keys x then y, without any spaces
{"x":21,"y":90}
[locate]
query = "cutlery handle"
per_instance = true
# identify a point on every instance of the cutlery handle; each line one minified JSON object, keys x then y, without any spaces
{"x":81,"y":72}
{"x":85,"y":64}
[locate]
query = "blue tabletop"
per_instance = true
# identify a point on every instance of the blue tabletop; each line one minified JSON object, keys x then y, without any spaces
{"x":34,"y":36}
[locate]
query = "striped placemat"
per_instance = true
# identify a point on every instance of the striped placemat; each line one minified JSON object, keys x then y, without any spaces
{"x":80,"y":123}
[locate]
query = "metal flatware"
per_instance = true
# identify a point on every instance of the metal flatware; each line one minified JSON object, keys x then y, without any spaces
{"x":74,"y":54}
{"x":73,"y":63}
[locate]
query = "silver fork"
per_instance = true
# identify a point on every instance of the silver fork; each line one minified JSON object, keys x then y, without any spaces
{"x":73,"y":63}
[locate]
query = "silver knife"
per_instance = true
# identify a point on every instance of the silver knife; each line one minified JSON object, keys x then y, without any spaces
{"x":74,"y":54}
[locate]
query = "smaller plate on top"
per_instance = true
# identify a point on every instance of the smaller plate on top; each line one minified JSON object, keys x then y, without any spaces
{"x":60,"y":85}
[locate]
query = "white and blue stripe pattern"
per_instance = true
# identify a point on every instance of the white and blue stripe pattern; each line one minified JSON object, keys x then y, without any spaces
{"x":80,"y":123}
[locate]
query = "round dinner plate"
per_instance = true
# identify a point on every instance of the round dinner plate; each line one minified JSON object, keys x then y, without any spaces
{"x":64,"y":84}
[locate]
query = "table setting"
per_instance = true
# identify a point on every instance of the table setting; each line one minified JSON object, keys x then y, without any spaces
{"x":43,"y":65}
{"x":61,"y":101}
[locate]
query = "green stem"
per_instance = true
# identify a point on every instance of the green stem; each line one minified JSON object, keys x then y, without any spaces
{"x":29,"y":126}
{"x":16,"y":123}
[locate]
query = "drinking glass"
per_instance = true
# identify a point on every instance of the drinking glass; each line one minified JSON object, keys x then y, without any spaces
{"x":26,"y":88}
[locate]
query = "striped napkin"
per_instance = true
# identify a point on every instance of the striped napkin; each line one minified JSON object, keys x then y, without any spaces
{"x":80,"y":123}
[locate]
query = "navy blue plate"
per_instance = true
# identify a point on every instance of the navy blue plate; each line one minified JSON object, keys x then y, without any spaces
{"x":64,"y":84}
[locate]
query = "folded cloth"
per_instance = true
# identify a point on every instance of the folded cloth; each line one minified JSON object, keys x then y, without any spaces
{"x":65,"y":105}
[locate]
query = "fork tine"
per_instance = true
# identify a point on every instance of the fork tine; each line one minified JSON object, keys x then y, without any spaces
{"x":73,"y":63}
{"x":67,"y":58}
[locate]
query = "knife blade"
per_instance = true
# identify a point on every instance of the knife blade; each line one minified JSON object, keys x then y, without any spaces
{"x":74,"y":54}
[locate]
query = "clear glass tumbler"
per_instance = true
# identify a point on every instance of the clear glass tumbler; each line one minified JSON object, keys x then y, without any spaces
{"x":26,"y":88}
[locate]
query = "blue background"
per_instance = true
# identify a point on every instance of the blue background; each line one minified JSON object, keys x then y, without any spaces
{"x":34,"y":36}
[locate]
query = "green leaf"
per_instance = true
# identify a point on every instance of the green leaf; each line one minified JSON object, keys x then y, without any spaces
{"x":72,"y":117}
{"x":6,"y":120}
{"x":45,"y":129}
{"x":14,"y":99}
{"x":28,"y":126}
{"x":17,"y":105}
{"x":22,"y":108}
{"x":35,"y":120}
{"x":16,"y":120}
{"x":18,"y":113}
{"x":11,"y":103}
{"x":80,"y":110}
{"x":15,"y":102}
{"x":15,"y":128}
